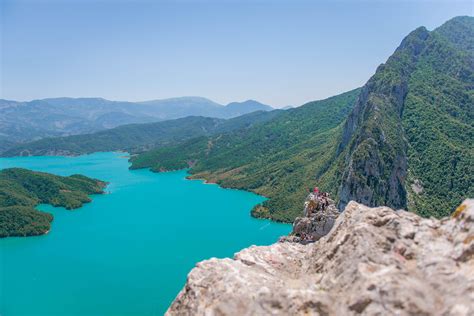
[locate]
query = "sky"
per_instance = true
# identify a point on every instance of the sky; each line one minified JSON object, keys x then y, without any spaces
{"x":277,"y":52}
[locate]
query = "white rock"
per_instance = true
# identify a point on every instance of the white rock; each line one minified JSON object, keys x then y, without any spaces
{"x":374,"y":261}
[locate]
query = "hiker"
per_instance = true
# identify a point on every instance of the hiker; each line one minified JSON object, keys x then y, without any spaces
{"x":306,"y":210}
{"x":311,"y":206}
{"x":327,"y":198}
{"x":324,"y":201}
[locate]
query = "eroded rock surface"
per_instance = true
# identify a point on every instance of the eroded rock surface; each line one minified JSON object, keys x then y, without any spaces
{"x":374,"y":261}
{"x":320,"y":214}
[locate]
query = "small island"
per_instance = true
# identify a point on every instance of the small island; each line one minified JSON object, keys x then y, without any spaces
{"x":21,"y":190}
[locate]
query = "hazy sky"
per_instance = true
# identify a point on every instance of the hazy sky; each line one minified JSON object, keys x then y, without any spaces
{"x":277,"y":52}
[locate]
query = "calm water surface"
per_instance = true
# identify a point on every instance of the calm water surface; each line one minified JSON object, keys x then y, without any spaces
{"x":127,"y":252}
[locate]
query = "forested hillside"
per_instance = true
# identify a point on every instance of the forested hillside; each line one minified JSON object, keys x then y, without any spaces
{"x":138,"y":137}
{"x":406,"y":139}
{"x":279,"y":159}
{"x":55,"y":117}
{"x":21,"y":190}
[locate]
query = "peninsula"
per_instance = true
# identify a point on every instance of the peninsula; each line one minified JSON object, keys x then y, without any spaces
{"x":21,"y":190}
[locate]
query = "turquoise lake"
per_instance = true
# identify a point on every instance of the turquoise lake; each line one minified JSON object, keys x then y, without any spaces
{"x":127,"y":252}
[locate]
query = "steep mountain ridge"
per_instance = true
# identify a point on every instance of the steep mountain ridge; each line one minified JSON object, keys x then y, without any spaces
{"x":414,"y":119}
{"x":380,"y":156}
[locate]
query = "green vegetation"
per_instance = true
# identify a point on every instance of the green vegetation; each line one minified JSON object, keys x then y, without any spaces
{"x":128,"y":137}
{"x":22,"y":190}
{"x":404,"y":140}
{"x":373,"y":148}
{"x":22,"y":122}
{"x":412,"y":144}
{"x":137,"y":137}
{"x":279,"y":158}
{"x":439,"y":121}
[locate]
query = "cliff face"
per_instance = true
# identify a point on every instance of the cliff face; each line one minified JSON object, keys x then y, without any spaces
{"x":375,"y":161}
{"x":373,"y":261}
{"x":412,"y":125}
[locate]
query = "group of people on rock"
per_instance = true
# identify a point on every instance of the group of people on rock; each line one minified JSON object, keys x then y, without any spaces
{"x":317,"y":201}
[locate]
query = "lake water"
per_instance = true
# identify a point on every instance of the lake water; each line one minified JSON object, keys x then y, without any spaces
{"x":127,"y":252}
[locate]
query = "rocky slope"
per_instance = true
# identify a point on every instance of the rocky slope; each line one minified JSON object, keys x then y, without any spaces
{"x":374,"y":261}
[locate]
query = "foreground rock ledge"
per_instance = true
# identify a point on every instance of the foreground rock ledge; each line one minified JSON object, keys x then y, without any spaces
{"x":374,"y":261}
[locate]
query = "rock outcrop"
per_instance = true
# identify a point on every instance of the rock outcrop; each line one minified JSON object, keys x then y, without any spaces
{"x":374,"y":261}
{"x":320,"y":214}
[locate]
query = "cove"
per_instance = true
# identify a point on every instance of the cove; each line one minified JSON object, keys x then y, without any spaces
{"x":127,"y":252}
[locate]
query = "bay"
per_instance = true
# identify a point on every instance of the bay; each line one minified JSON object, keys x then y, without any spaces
{"x":128,"y":251}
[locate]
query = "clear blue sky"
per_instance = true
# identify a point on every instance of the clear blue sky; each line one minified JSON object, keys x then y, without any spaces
{"x":277,"y":52}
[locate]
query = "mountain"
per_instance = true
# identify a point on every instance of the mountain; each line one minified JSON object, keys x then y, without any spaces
{"x":120,"y":138}
{"x":409,"y":142}
{"x":63,"y":116}
{"x":278,"y":158}
{"x":405,"y":140}
{"x":197,"y":106}
{"x":239,"y":108}
{"x":21,"y":190}
{"x":27,"y":121}
{"x":181,"y":107}
{"x":138,"y":137}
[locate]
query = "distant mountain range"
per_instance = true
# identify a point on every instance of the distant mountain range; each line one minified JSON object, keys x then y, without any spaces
{"x":26,"y":121}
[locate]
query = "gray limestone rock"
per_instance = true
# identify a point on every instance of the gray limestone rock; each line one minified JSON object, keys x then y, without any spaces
{"x":374,"y":261}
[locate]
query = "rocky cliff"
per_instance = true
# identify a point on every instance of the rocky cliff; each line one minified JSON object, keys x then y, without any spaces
{"x":374,"y":261}
{"x":411,"y":126}
{"x":375,"y":161}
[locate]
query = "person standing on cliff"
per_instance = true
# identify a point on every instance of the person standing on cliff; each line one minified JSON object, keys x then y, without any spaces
{"x":316,"y":191}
